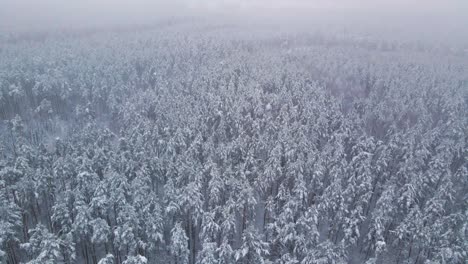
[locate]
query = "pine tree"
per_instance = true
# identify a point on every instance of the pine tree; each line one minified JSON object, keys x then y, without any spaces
{"x":101,"y":231}
{"x":253,"y":248}
{"x":44,"y":247}
{"x":108,"y":259}
{"x":135,"y":260}
{"x":10,"y":226}
{"x":226,"y":253}
{"x":325,"y":252}
{"x":125,"y":232}
{"x":179,"y":245}
{"x":208,"y":254}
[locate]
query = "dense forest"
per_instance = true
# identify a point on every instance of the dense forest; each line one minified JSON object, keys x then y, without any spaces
{"x":188,"y":143}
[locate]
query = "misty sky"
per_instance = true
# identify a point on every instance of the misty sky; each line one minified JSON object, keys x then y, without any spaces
{"x":64,"y":13}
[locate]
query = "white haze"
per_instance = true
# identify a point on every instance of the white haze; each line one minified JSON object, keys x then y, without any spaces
{"x":442,"y":22}
{"x":34,"y":13}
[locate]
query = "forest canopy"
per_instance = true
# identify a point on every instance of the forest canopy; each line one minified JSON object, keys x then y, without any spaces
{"x":197,"y":142}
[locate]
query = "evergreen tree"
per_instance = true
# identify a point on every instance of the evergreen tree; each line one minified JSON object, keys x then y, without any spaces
{"x":179,"y":245}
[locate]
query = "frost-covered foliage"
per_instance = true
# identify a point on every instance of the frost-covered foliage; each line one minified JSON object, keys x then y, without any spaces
{"x":188,"y":143}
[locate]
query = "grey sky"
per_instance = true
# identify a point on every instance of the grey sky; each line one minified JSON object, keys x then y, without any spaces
{"x":66,"y":13}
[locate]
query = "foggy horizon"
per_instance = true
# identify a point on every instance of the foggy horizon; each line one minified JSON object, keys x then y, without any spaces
{"x":24,"y":15}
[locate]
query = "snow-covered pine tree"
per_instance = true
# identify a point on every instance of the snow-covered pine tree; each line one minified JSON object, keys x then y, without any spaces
{"x":179,"y":245}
